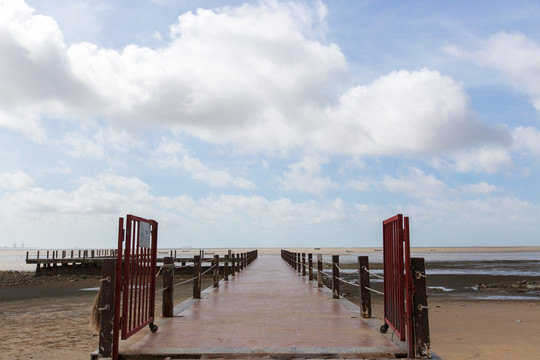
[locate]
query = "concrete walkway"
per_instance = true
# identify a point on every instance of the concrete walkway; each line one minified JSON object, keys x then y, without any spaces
{"x":268,"y":310}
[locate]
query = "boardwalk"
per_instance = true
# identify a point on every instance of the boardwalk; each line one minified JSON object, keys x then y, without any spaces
{"x":269,"y":311}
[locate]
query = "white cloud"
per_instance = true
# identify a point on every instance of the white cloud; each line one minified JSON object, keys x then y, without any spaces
{"x":15,"y":180}
{"x":418,"y":112}
{"x":481,"y":188}
{"x":261,"y":77}
{"x":304,"y":176}
{"x":526,"y":139}
{"x":415,"y":184}
{"x":515,"y":55}
{"x":172,"y":154}
{"x":360,"y":184}
{"x":35,"y":70}
{"x":488,"y":160}
{"x":80,"y":146}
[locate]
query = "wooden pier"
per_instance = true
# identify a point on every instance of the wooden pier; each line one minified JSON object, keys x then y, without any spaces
{"x":266,"y":311}
{"x":89,"y":261}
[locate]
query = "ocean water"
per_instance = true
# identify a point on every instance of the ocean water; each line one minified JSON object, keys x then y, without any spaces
{"x":456,"y":275}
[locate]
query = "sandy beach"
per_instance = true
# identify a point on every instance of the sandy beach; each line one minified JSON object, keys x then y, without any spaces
{"x":47,"y":318}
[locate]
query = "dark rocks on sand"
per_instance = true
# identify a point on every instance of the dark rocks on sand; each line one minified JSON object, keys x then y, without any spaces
{"x":512,"y":286}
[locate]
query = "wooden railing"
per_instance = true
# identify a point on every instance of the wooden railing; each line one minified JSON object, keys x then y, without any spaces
{"x":331,"y":270}
{"x":221,"y":267}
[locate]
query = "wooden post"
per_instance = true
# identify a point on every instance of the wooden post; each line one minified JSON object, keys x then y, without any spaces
{"x":310,"y":266}
{"x":319,"y":270}
{"x":420,"y":308}
{"x":299,"y":260}
{"x":335,"y":276}
{"x":226,"y":268}
{"x":216,"y":271}
{"x":303,"y":264}
{"x":363,"y":280}
{"x":106,"y":308}
{"x":197,"y":277}
{"x":294,"y":258}
{"x":233,"y":270}
{"x":168,"y":279}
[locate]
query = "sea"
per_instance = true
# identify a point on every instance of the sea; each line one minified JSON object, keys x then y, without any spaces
{"x":462,"y":275}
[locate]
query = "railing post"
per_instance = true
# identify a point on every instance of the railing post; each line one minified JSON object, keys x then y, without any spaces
{"x":319,"y":270}
{"x":363,"y":280}
{"x":197,"y":277}
{"x":303,"y":264}
{"x":420,"y":308}
{"x":216,"y":271}
{"x":168,"y":279}
{"x":106,"y":308}
{"x":310,"y":266}
{"x":226,"y":268}
{"x":335,"y":276}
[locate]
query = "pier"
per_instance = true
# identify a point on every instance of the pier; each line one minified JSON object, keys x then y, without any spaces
{"x":266,"y":311}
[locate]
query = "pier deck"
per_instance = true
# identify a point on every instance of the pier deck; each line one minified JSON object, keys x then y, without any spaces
{"x":266,"y":311}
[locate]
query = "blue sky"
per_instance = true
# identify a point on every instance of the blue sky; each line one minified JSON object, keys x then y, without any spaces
{"x":270,"y":123}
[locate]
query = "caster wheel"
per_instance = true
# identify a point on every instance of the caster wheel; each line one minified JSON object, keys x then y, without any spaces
{"x":384,"y":328}
{"x":153,"y":328}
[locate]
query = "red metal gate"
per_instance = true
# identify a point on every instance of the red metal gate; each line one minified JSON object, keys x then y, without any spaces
{"x":397,"y":278}
{"x":135,"y":290}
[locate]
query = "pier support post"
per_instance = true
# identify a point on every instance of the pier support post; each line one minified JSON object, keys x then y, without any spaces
{"x":303,"y":264}
{"x":233,"y":269}
{"x":420,"y":309}
{"x":106,"y":308}
{"x":319,"y":270}
{"x":226,"y":268}
{"x":335,"y":276}
{"x":168,"y":279}
{"x":299,"y":260}
{"x":197,"y":277}
{"x":310,"y":266}
{"x":216,"y":271}
{"x":363,"y":280}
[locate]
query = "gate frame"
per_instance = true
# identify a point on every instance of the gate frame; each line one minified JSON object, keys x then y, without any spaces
{"x":398,"y":287}
{"x":129,"y":262}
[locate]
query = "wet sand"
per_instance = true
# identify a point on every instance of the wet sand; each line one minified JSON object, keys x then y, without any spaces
{"x":50,"y":320}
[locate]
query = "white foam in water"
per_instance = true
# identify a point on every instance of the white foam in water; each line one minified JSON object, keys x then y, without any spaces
{"x":442,"y":288}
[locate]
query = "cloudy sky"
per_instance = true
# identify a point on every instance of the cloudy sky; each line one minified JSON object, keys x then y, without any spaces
{"x":269,"y":123}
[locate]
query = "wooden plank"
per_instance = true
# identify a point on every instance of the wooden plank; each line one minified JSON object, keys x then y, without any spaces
{"x":168,"y":293}
{"x":106,"y":308}
{"x":364,"y":281}
{"x":335,"y":276}
{"x":420,"y":308}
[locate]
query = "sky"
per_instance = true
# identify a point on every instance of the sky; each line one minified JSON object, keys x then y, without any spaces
{"x":269,"y":123}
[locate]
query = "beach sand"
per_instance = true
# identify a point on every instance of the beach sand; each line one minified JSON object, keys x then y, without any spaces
{"x":50,"y":320}
{"x":495,"y":330}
